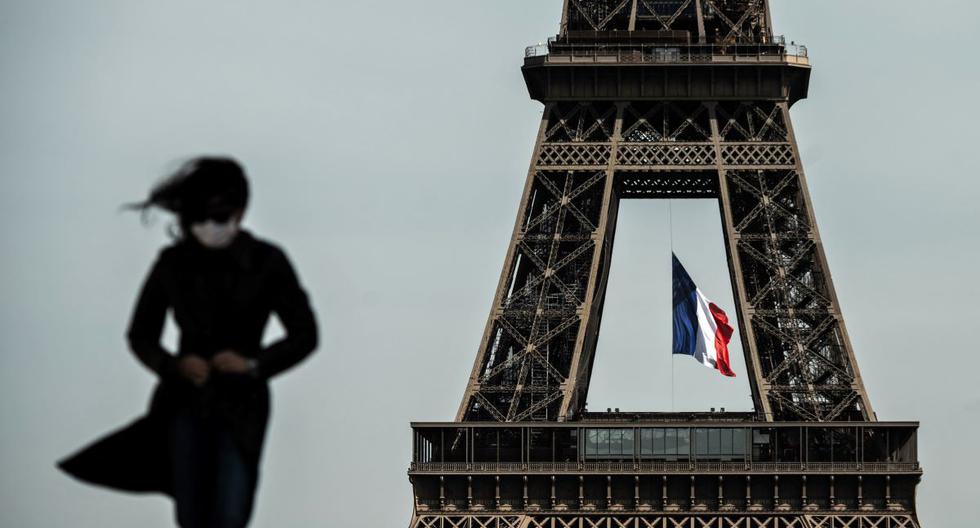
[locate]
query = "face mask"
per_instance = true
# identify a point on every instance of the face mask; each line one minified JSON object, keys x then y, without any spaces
{"x":215,"y":235}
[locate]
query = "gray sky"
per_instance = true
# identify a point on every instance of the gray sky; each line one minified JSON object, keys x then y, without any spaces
{"x":388,"y":143}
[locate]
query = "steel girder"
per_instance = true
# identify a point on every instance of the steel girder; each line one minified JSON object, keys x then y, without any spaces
{"x":537,"y":351}
{"x":704,"y":520}
{"x":711,"y":21}
{"x":539,"y":328}
{"x":619,"y":126}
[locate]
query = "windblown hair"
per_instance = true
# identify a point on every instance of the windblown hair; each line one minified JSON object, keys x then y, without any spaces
{"x":198,"y":182}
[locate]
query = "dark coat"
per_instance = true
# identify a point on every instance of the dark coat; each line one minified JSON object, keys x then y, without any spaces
{"x":220,"y":299}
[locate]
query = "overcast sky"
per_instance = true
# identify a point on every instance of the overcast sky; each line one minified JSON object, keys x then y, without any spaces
{"x":387,"y":144}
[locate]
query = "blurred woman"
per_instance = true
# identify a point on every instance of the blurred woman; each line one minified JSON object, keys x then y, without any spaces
{"x":201,"y":440}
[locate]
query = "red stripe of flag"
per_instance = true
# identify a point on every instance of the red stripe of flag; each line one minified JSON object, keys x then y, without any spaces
{"x":722,"y":337}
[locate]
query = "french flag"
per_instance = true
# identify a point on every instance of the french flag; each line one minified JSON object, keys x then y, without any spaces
{"x":701,"y":328}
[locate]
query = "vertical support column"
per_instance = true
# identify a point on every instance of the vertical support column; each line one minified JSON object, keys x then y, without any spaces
{"x":858,"y":382}
{"x":702,"y":37}
{"x":473,"y":385}
{"x":664,"y":492}
{"x":804,"y":498}
{"x":775,"y":489}
{"x":721,"y":491}
{"x":693,"y":497}
{"x":415,"y":491}
{"x":577,"y":384}
{"x":553,"y":498}
{"x":564,"y":19}
{"x":636,"y":492}
{"x":860,"y":491}
{"x":442,"y":491}
{"x":525,"y":492}
{"x":833,"y":492}
{"x":748,"y":491}
{"x":581,"y":492}
{"x":496,"y":491}
{"x":469,"y":491}
{"x":767,"y":17}
{"x":915,"y":445}
{"x":775,"y":399}
{"x":739,"y":291}
{"x":609,"y":491}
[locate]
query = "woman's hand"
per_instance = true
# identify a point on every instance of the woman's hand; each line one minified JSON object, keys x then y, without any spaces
{"x":195,"y":369}
{"x":231,"y":362}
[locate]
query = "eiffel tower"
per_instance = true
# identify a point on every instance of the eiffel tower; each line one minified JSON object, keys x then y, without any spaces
{"x":665,"y":99}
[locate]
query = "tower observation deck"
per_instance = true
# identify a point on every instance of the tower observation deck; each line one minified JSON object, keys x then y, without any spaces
{"x":667,"y":99}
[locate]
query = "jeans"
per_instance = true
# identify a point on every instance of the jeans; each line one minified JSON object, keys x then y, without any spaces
{"x":212,"y":483}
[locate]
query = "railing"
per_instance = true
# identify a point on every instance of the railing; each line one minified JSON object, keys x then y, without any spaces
{"x":591,"y":503}
{"x":667,"y":53}
{"x":663,"y":467}
{"x":536,"y":50}
{"x":511,"y":503}
{"x":759,"y":504}
{"x":539,"y":503}
{"x":428,"y":504}
{"x":821,"y":504}
{"x":456,"y":504}
{"x":483,"y":503}
{"x":787,"y":504}
{"x":732,"y":504}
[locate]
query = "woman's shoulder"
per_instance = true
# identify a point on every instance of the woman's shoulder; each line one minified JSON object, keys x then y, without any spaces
{"x":171,"y":251}
{"x":260,"y":245}
{"x":263,"y":250}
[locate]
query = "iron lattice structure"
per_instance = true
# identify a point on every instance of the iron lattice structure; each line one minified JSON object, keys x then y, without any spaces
{"x":665,"y":140}
{"x":665,"y":99}
{"x":661,"y":521}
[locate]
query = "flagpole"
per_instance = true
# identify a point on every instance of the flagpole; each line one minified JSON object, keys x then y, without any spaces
{"x":670,"y":231}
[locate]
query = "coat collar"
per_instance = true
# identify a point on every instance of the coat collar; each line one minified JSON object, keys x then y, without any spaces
{"x":240,"y":250}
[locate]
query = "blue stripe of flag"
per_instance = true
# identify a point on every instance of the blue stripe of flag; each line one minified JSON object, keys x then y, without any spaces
{"x":685,"y":311}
